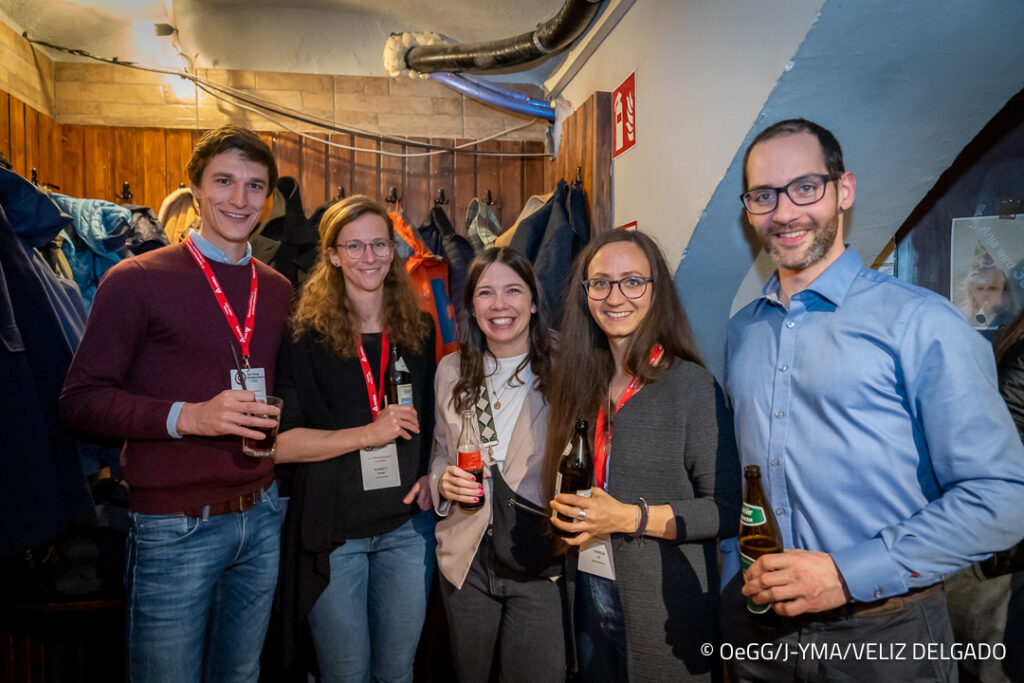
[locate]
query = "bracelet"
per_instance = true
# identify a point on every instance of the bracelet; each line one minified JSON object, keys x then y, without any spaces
{"x":643,"y":516}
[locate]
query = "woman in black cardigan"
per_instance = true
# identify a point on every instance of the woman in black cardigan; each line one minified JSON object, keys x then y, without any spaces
{"x":358,"y":543}
{"x":666,"y":491}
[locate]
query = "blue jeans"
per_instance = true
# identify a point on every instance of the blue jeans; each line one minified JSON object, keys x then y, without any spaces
{"x":600,"y":630}
{"x":367,"y":622}
{"x":199,"y":593}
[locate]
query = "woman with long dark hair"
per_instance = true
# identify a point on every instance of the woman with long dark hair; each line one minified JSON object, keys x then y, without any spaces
{"x":358,"y":552}
{"x":666,"y":469}
{"x":499,"y":616}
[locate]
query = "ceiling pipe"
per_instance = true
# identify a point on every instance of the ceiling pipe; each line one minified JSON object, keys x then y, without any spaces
{"x":509,"y":100}
{"x":553,"y":35}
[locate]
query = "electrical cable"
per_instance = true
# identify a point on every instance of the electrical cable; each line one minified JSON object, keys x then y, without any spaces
{"x":257,"y":105}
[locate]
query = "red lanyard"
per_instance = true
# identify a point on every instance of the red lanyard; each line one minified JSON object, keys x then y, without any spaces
{"x":376,"y":397}
{"x":602,"y":438}
{"x":244,"y":336}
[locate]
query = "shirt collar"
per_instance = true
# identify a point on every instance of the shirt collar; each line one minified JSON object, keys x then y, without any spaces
{"x":833,"y":284}
{"x":212,"y":252}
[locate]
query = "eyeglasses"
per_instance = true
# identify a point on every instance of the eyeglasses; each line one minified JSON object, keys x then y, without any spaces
{"x":804,"y":190}
{"x":356,"y":248}
{"x":632,"y":287}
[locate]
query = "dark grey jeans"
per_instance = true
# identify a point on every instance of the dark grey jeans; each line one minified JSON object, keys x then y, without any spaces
{"x":912,"y":642}
{"x":505,"y":623}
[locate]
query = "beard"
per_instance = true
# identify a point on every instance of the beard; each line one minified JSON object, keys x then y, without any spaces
{"x":824,"y":238}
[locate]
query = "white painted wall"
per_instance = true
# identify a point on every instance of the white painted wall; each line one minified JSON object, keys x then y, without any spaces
{"x":697,"y":98}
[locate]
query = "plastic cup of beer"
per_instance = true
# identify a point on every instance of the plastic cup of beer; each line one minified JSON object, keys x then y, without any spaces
{"x":262,"y":448}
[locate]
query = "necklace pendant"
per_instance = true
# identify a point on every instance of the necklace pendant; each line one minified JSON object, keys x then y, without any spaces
{"x":497,"y":405}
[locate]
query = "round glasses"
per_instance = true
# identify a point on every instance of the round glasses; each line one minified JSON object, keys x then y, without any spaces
{"x":356,"y":248}
{"x":805,"y":190}
{"x":632,"y":287}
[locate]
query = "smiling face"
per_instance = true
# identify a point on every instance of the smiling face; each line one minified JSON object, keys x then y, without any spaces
{"x":798,"y":238}
{"x":366,"y":273}
{"x":503,"y":306}
{"x":617,"y":316}
{"x":231,"y":195}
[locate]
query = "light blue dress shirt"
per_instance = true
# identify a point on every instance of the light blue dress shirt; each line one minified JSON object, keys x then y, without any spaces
{"x":214,"y":253}
{"x":872,"y":409}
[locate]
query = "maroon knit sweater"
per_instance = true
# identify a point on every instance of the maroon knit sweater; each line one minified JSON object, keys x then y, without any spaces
{"x":156,"y":335}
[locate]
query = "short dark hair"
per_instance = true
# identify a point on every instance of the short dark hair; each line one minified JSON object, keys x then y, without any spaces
{"x":228,"y":137}
{"x":830,"y":148}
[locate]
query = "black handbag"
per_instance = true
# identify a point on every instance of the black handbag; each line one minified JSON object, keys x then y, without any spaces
{"x":523,"y":536}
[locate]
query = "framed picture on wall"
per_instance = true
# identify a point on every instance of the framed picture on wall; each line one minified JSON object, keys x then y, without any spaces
{"x":987,"y":269}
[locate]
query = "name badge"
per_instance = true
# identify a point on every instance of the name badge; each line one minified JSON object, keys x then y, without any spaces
{"x":596,"y":557}
{"x":255,"y":381}
{"x":380,"y":467}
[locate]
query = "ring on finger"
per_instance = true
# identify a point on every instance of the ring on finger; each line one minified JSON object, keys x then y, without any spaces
{"x":581,"y":515}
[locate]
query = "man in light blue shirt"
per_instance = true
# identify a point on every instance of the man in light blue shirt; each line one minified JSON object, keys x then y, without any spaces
{"x":871,"y":407}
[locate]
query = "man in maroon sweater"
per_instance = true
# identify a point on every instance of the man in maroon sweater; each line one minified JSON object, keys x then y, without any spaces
{"x":156,"y":368}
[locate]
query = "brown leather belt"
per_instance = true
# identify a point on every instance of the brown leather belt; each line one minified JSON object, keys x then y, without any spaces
{"x":237,"y":504}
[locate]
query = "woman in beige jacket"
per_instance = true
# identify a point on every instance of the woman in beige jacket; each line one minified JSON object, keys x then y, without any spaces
{"x":497,"y":616}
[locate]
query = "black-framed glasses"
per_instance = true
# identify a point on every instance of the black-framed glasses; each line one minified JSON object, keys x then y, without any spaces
{"x":356,"y":248}
{"x":806,"y":189}
{"x":632,"y":287}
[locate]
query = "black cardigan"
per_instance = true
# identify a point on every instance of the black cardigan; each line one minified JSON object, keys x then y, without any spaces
{"x":323,"y":391}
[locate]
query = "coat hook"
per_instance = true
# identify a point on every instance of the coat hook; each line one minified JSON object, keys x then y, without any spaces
{"x":488,"y":199}
{"x":126,"y":193}
{"x":181,"y":186}
{"x":341,"y":193}
{"x":579,"y":174}
{"x":35,"y":177}
{"x":392,"y":197}
{"x":440,"y":199}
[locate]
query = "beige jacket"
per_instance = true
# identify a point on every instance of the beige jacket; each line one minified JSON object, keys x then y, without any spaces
{"x":459,"y":532}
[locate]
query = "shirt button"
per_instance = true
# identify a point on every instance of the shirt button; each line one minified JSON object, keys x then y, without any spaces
{"x":779,"y":413}
{"x":878,"y":592}
{"x":790,"y":324}
{"x":774,"y":462}
{"x":780,"y":511}
{"x":783,"y":367}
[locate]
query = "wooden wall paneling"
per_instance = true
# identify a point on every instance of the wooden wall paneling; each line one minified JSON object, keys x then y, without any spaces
{"x":97,"y":163}
{"x":31,"y":140}
{"x":313,"y":174}
{"x":419,"y":183}
{"x":599,"y":194}
{"x":287,"y":152}
{"x":155,"y":186}
{"x":464,"y":170}
{"x":177,"y":152}
{"x":129,"y":160}
{"x":49,"y":141}
{"x":488,"y":176}
{"x":509,"y":201}
{"x":533,"y":173}
{"x":366,"y":170}
{"x":340,"y":165}
{"x":392,"y":174}
{"x":72,"y":163}
{"x":18,"y":150}
{"x":5,"y":124}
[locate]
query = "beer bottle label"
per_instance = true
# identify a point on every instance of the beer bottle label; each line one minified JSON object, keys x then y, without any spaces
{"x":585,"y":493}
{"x":752,"y":515}
{"x":745,"y":562}
{"x":405,"y":394}
{"x":470,"y":460}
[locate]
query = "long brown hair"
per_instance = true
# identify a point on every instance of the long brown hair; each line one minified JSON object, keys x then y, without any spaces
{"x":324,"y":307}
{"x":583,"y":364}
{"x":473,"y":343}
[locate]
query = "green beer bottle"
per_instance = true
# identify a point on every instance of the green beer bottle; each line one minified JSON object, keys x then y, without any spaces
{"x":759,"y":533}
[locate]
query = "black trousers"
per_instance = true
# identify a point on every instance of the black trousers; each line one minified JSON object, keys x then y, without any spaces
{"x":505,"y":624}
{"x":905,"y":640}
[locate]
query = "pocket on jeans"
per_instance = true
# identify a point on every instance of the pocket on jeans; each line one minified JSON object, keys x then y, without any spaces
{"x":271,"y":498}
{"x":154,"y":530}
